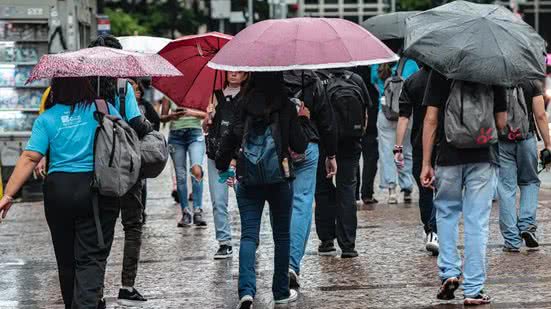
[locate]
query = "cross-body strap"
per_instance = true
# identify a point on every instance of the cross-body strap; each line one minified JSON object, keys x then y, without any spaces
{"x":121,"y":91}
{"x":97,"y":222}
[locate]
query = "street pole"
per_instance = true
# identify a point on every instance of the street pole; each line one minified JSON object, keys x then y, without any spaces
{"x":537,"y":15}
{"x":393,"y":6}
{"x":283,"y":6}
{"x":251,"y":13}
{"x":221,"y":24}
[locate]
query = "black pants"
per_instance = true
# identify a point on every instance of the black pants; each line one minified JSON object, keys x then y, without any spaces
{"x":370,"y":157}
{"x":80,"y":260}
{"x":132,"y":209}
{"x":426,"y":195}
{"x":336,"y":206}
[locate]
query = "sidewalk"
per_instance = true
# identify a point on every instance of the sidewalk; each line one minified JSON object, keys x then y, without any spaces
{"x":177,"y":269}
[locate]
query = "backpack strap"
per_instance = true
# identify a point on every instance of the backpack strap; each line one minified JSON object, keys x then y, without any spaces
{"x":97,"y":222}
{"x":102,"y":107}
{"x":401,"y":65}
{"x":121,"y":91}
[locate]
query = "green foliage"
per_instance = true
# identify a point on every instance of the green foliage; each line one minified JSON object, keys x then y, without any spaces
{"x":414,"y":5}
{"x":168,"y":18}
{"x":124,"y":24}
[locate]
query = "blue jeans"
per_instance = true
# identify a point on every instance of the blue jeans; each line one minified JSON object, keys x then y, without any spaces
{"x":250,"y":200}
{"x":387,"y":138}
{"x":468,"y":188}
{"x":518,"y":167}
{"x":182,"y":143}
{"x":304,"y":187}
{"x":219,"y":198}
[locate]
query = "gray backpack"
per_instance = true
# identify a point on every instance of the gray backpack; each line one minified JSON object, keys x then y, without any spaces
{"x":153,"y":146}
{"x":393,"y":90}
{"x":469,"y":120}
{"x":518,"y":119}
{"x":117,"y":159}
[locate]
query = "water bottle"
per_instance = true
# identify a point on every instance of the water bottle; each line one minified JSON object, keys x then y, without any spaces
{"x":224,"y":176}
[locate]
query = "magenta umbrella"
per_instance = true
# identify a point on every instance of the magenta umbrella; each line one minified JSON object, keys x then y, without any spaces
{"x":190,"y":54}
{"x":102,"y":61}
{"x":301,"y":44}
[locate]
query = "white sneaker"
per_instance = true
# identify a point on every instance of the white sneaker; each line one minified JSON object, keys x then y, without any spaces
{"x":293,"y":295}
{"x":392,"y":196}
{"x":432,"y":243}
{"x":246,"y":302}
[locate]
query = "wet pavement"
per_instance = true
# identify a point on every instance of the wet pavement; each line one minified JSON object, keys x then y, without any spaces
{"x":177,"y":269}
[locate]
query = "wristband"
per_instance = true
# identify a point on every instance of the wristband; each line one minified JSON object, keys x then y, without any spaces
{"x":9,"y":198}
{"x":397,"y":149}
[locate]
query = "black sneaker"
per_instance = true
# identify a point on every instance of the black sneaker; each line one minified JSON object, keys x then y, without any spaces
{"x":349,"y":254}
{"x":510,"y":249}
{"x":198,"y":218}
{"x":370,"y":200}
{"x":327,"y":248}
{"x":294,"y":279}
{"x":101,"y":304}
{"x":447,"y":290}
{"x":530,"y":239}
{"x":480,"y":299}
{"x":224,"y":252}
{"x":186,"y":219}
{"x":176,"y":197}
{"x":127,"y":298}
{"x":407,"y":196}
{"x":246,"y":302}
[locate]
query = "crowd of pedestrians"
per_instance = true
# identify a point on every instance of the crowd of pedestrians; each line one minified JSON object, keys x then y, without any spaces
{"x":295,"y":139}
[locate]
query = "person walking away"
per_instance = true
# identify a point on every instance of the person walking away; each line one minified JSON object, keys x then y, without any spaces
{"x":218,"y":124}
{"x":386,"y":129}
{"x":186,"y":139}
{"x":266,"y":130}
{"x":411,"y":106}
{"x":518,"y":164}
{"x":66,"y":132}
{"x":120,"y":93}
{"x":370,"y":145}
{"x":336,"y":200}
{"x":149,"y":112}
{"x":465,"y":177}
{"x":318,"y":123}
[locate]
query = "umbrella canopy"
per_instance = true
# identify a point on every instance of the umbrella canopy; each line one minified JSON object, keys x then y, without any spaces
{"x":143,"y":44}
{"x":301,"y":44}
{"x":190,"y":54}
{"x":476,"y":42}
{"x":102,"y":61}
{"x":388,"y":26}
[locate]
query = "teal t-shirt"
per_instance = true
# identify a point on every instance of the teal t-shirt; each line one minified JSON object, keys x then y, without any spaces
{"x":68,"y":136}
{"x":410,"y":67}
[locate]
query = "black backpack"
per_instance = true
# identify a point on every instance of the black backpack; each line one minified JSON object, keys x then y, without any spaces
{"x":348,"y":104}
{"x":221,"y":123}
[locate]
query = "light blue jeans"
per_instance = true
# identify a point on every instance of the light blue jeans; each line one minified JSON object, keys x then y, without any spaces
{"x":219,"y":198}
{"x":518,"y":167}
{"x":304,"y":187}
{"x":387,"y":139}
{"x":182,"y":143}
{"x":468,"y":188}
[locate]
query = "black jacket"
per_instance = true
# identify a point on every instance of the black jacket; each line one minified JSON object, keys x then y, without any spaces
{"x":321,"y":127}
{"x":287,"y":135}
{"x":149,"y":112}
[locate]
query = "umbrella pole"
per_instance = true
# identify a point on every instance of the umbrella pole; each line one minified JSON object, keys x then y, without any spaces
{"x":98,"y":87}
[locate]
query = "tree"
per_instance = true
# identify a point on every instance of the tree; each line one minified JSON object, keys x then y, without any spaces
{"x":124,"y":24}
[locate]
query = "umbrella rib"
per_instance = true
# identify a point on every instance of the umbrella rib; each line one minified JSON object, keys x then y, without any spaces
{"x":181,"y":62}
{"x":195,"y":79}
{"x":339,"y":38}
{"x":500,"y":50}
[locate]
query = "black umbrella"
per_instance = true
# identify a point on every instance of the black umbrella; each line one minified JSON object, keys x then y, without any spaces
{"x":388,"y":26}
{"x":481,"y":43}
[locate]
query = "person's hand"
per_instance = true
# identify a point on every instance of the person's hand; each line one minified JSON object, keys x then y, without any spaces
{"x":427,"y":176}
{"x":207,"y":123}
{"x":5,"y":205}
{"x":330,"y":166}
{"x":398,"y":157}
{"x":40,"y":169}
{"x":231,"y":181}
{"x":303,"y":111}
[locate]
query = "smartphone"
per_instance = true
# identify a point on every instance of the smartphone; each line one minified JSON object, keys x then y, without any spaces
{"x":180,"y":110}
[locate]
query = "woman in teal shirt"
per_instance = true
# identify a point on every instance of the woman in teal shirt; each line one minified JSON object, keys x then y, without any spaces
{"x":66,"y":133}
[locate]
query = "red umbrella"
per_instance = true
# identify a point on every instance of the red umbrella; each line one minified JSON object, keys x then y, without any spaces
{"x":102,"y":61}
{"x":301,"y":44}
{"x":190,"y":54}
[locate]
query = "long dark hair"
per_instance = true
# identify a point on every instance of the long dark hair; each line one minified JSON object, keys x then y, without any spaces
{"x":108,"y":85}
{"x":73,"y":91}
{"x":265,"y":92}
